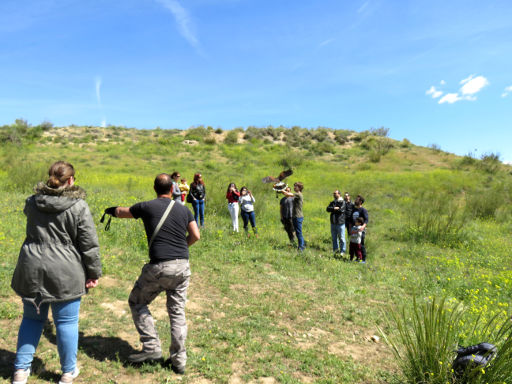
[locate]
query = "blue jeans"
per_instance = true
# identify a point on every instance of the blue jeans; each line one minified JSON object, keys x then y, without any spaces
{"x":198,"y":206}
{"x":249,"y":216}
{"x":297,"y":225}
{"x":65,"y":316}
{"x":338,"y":238}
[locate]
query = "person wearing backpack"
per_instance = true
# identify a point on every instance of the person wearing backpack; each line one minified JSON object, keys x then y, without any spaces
{"x":170,"y":230}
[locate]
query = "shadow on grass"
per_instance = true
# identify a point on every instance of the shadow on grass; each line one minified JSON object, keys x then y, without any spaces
{"x":100,"y":348}
{"x":106,"y":348}
{"x":38,"y":367}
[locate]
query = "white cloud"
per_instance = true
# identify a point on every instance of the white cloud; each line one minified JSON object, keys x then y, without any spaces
{"x":473,"y":85}
{"x":97,"y":83}
{"x":434,"y":92}
{"x":98,"y":89}
{"x":450,"y":98}
{"x":185,"y":25}
{"x":506,"y":91}
{"x":466,"y":79}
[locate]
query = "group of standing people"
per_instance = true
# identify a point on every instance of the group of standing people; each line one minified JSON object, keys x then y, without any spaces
{"x":242,"y":201}
{"x":352,"y":217}
{"x":59,"y":259}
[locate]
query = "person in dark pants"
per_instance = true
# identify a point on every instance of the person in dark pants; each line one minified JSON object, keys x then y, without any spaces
{"x":337,"y":218}
{"x":359,"y":211}
{"x":349,"y":207}
{"x":286,"y":208}
{"x":197,"y":195}
{"x":171,"y":230}
{"x":297,"y":215}
{"x":247,"y":201}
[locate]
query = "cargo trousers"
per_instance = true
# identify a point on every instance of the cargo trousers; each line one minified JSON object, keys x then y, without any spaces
{"x":173,"y":277}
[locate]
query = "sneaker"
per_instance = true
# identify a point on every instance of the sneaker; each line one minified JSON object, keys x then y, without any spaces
{"x":141,"y":357}
{"x":21,"y":376}
{"x":68,"y":377}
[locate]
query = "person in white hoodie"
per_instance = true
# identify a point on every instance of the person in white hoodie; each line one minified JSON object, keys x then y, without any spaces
{"x":247,"y":201}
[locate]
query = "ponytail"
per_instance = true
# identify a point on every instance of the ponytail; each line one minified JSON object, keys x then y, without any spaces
{"x":59,"y":173}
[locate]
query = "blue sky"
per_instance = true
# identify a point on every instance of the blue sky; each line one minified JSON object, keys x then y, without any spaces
{"x":434,"y":72}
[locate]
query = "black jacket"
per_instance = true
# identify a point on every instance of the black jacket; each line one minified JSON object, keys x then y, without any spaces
{"x":338,"y":215}
{"x":198,"y":191}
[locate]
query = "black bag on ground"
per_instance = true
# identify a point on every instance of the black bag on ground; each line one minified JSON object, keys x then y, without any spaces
{"x":475,"y":356}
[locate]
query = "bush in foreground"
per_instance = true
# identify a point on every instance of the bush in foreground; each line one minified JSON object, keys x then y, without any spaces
{"x":428,"y":335}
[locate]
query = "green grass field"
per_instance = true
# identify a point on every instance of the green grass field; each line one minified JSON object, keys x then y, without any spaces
{"x":259,"y":312}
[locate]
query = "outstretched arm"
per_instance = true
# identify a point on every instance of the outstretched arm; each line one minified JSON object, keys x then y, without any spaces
{"x":124,"y":213}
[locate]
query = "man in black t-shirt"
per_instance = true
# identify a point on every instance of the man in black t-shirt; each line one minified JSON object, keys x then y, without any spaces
{"x":168,"y":270}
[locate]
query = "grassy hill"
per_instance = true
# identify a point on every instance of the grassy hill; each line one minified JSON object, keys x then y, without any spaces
{"x":258,"y":312}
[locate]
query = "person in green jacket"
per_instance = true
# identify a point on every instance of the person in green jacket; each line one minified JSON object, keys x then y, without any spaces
{"x":58,"y":261}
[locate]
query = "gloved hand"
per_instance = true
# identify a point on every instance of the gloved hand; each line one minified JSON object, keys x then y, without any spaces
{"x":111,"y":211}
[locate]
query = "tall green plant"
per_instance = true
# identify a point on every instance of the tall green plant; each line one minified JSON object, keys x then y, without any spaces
{"x":427,"y":336}
{"x":426,"y":340}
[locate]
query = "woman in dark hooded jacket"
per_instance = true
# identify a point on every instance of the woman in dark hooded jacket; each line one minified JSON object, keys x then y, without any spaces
{"x":58,"y":261}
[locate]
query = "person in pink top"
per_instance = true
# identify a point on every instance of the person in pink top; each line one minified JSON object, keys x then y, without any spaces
{"x":232,"y":195}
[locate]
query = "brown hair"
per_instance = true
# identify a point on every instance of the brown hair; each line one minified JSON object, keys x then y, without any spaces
{"x":59,"y":173}
{"x":198,"y":179}
{"x":299,"y":185}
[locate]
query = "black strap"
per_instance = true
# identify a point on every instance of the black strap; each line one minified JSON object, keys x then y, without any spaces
{"x":107,"y":226}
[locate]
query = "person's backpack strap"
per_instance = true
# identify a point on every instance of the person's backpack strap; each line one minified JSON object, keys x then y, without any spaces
{"x":161,"y":222}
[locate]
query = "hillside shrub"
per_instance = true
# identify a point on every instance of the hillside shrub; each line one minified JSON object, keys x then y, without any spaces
{"x":435,"y":216}
{"x":197,"y":133}
{"x":377,"y":147}
{"x":320,"y":135}
{"x":467,"y":160}
{"x":435,"y":147}
{"x":341,"y":136}
{"x":405,"y":143}
{"x":19,"y":131}
{"x":381,"y":132}
{"x":490,"y":163}
{"x":484,"y":202}
{"x":322,"y":147}
{"x":231,"y":138}
{"x":210,"y":140}
{"x":359,"y":137}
